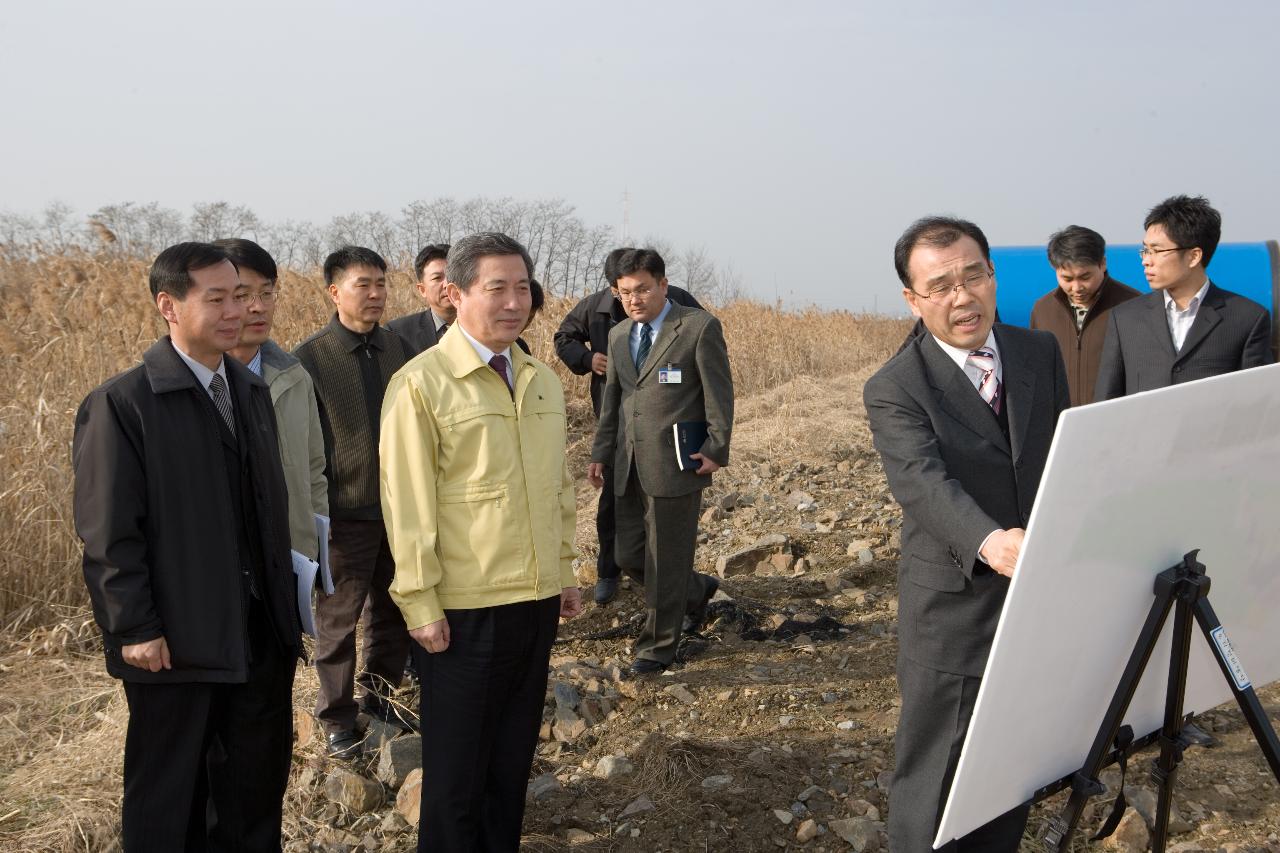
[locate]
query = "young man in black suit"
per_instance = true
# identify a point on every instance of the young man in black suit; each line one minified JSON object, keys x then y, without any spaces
{"x":1187,"y":327}
{"x":963,"y":417}
{"x":180,"y":501}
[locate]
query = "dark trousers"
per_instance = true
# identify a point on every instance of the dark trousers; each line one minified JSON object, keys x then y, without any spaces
{"x":206,"y":765}
{"x":481,"y":709}
{"x":656,"y":539}
{"x":360,"y":559}
{"x":606,"y":528}
{"x":936,"y":707}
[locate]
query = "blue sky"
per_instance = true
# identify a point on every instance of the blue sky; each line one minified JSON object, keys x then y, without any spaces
{"x":794,"y":141}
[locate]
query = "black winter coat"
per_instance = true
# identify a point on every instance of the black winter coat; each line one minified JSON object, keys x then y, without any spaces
{"x":154,"y":510}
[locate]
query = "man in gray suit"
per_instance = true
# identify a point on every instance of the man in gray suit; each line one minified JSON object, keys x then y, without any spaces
{"x":668,"y":364}
{"x":963,"y":417}
{"x":1187,"y":327}
{"x":423,"y":329}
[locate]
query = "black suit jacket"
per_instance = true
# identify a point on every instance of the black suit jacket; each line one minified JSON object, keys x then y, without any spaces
{"x":1229,"y":333}
{"x":158,"y":523}
{"x":958,"y":479}
{"x":585,"y":332}
{"x":418,"y":328}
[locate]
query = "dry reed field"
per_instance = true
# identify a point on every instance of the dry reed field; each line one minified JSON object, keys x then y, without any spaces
{"x":69,"y":321}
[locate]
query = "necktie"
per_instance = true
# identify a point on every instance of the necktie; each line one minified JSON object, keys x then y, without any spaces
{"x":646,"y":343}
{"x":499,"y":365}
{"x":444,"y":327}
{"x":988,"y":385}
{"x":222,"y":401}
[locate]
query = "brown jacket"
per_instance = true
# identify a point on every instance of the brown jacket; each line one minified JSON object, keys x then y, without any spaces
{"x":1082,"y":351}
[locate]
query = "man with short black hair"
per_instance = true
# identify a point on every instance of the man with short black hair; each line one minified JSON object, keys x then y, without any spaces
{"x":180,"y":501}
{"x":582,"y":343}
{"x":963,"y":417}
{"x":1076,"y":310}
{"x":1187,"y":328}
{"x":480,"y":510}
{"x":351,"y":360}
{"x":423,"y":329}
{"x":667,"y":365}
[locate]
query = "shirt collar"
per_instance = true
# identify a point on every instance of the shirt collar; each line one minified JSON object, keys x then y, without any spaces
{"x":483,"y":351}
{"x":655,"y":323}
{"x":960,"y":356}
{"x":354,"y":340}
{"x":255,"y":363}
{"x":203,"y":374}
{"x":437,"y":321}
{"x":1192,"y":306}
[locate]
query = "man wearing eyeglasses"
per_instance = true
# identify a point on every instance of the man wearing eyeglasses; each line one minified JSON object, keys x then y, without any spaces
{"x":292,"y":394}
{"x":962,"y":417}
{"x":1187,"y":328}
{"x":667,"y":365}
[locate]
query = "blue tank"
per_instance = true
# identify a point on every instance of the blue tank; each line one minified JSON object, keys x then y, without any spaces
{"x":1023,"y":275}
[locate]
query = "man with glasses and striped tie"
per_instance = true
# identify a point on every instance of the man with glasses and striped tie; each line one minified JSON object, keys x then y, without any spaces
{"x":962,"y":417}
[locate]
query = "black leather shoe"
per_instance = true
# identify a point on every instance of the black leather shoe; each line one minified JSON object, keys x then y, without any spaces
{"x":643,"y":667}
{"x":606,"y":590}
{"x":346,"y":746}
{"x":1196,"y":736}
{"x":392,"y":715}
{"x":693,"y":619}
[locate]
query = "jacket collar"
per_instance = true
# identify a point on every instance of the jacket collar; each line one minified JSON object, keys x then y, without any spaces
{"x":463,"y":358}
{"x":166,"y":371}
{"x":351,"y":341}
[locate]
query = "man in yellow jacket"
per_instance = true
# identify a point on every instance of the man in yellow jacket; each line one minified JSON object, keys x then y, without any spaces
{"x":480,"y":514}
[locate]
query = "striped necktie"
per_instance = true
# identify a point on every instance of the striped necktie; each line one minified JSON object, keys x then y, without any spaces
{"x":646,"y":343}
{"x":989,"y":384}
{"x":222,"y":400}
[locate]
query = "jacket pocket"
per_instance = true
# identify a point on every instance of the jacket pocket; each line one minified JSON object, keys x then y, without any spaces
{"x":480,"y":538}
{"x":940,"y":577}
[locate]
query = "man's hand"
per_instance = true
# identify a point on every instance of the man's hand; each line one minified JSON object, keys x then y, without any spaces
{"x":708,"y":466}
{"x":595,"y":474}
{"x":570,"y":602}
{"x":434,"y":636}
{"x":1002,"y":549}
{"x":153,"y":655}
{"x":599,"y":363}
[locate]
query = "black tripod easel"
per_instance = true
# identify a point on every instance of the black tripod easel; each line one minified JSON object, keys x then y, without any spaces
{"x":1185,"y":588}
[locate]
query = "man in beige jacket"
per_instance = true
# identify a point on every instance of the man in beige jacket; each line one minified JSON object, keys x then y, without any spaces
{"x":480,"y":514}
{"x":292,"y":395}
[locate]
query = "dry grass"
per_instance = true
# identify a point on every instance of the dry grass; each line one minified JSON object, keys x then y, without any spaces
{"x":67,"y":323}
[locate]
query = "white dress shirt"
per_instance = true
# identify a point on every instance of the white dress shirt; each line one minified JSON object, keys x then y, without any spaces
{"x":486,"y":354}
{"x":204,"y":375}
{"x":1180,"y":321}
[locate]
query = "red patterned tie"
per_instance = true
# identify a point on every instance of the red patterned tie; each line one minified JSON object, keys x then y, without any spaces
{"x":989,"y":386}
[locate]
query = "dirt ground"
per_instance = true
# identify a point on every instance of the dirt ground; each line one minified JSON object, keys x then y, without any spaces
{"x":783,"y":711}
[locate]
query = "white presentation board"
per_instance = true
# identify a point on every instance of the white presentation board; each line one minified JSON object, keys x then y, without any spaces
{"x":1130,"y":487}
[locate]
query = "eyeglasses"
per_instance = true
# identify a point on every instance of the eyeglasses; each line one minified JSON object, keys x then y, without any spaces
{"x":969,"y":282}
{"x":1146,"y":252}
{"x":266,"y":297}
{"x":638,"y":293}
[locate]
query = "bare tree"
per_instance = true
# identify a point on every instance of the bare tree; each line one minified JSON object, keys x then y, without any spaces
{"x":218,"y":220}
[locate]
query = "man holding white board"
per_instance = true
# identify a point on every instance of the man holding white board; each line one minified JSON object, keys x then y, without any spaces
{"x":963,"y":418}
{"x":668,"y":365}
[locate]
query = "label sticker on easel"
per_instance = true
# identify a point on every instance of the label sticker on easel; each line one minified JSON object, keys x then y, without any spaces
{"x":1228,"y":655}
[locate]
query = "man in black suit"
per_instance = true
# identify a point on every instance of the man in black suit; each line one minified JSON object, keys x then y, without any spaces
{"x":423,"y":329}
{"x":1187,"y":327}
{"x":180,"y":501}
{"x":582,"y":343}
{"x":962,"y":417}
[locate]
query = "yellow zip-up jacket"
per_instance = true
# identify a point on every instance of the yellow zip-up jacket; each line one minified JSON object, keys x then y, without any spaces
{"x":476,"y":495}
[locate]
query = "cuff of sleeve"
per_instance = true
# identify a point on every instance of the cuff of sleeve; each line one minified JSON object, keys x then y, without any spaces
{"x":422,"y":608}
{"x":567,"y":577}
{"x":981,"y":558}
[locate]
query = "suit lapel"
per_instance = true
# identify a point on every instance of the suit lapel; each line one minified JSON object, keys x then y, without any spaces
{"x":1207,"y":317}
{"x":957,"y":394}
{"x":626,"y":364}
{"x":667,"y":335}
{"x":1157,"y":323}
{"x":1019,"y":389}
